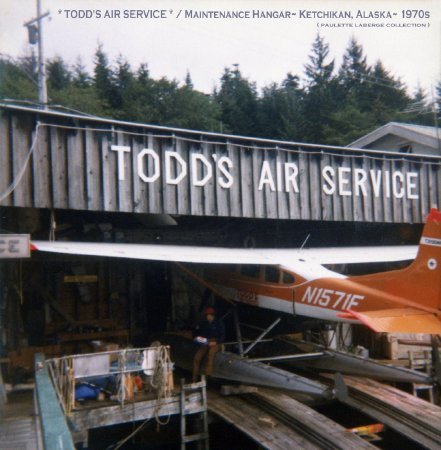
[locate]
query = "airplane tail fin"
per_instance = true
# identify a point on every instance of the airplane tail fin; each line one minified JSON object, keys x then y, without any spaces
{"x":420,"y":282}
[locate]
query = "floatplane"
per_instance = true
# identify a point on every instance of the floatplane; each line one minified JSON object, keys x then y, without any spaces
{"x":296,"y":281}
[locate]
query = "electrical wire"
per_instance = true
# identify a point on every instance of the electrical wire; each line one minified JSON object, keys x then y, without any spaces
{"x":120,"y":443}
{"x":21,"y":172}
{"x":320,"y":149}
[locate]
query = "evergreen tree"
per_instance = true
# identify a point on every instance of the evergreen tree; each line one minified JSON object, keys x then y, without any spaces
{"x":188,"y":81}
{"x":418,"y":111}
{"x":142,"y":96}
{"x":386,"y":89}
{"x":347,"y":123}
{"x":354,"y":75}
{"x":103,"y":76}
{"x":320,"y":94}
{"x":279,"y":109}
{"x":58,"y":74}
{"x":195,"y":110}
{"x":80,"y":77}
{"x":237,"y":99}
{"x":122,"y":88}
{"x":318,"y":73}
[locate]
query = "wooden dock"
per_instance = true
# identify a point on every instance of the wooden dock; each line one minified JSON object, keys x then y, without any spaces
{"x":18,"y":427}
{"x":275,"y":420}
{"x":417,"y":419}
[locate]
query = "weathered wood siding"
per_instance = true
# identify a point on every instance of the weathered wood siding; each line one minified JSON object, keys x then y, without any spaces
{"x":71,"y":162}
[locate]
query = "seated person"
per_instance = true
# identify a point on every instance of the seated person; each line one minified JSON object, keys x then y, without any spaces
{"x":209,"y":334}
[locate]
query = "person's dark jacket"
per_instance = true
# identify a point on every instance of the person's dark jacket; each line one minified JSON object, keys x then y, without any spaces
{"x":210,"y":330}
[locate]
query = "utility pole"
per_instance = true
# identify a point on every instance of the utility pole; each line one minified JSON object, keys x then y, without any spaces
{"x":35,"y":32}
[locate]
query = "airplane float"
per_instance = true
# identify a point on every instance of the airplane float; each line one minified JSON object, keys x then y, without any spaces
{"x":295,"y":281}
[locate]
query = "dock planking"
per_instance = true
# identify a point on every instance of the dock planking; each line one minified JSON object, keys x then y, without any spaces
{"x":300,"y":427}
{"x":417,"y":419}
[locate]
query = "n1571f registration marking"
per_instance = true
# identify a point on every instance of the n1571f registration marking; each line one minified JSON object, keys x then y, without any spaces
{"x":330,"y":298}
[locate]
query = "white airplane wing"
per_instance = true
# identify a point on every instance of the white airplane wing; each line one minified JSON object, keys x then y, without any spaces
{"x":221,"y":255}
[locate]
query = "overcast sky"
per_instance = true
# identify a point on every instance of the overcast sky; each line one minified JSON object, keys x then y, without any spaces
{"x":265,"y":49}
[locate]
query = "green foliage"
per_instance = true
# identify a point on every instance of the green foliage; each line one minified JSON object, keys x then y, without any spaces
{"x":58,"y":73}
{"x":237,"y":99}
{"x":330,"y":105}
{"x":438,"y":97}
{"x":18,"y":80}
{"x":279,"y":110}
{"x":320,"y":98}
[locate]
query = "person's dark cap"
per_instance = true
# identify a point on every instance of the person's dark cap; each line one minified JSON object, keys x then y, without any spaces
{"x":209,"y":310}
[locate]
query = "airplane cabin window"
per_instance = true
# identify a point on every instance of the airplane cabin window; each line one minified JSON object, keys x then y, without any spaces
{"x":272,"y":274}
{"x":250,"y":270}
{"x":288,"y":278}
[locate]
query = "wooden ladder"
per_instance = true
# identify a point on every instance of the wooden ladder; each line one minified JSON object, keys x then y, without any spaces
{"x":424,"y":363}
{"x":201,"y":436}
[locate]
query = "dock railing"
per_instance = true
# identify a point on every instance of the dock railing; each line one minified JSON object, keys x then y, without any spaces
{"x":116,"y":367}
{"x":52,"y":430}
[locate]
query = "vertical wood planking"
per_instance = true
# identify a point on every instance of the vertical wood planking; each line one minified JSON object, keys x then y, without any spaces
{"x":222,"y":193}
{"x":109,"y":180}
{"x":424,"y":194}
{"x":41,"y":169}
{"x":124,"y":187}
{"x":140,"y":187}
{"x":59,"y":168}
{"x":348,"y":212}
{"x":305,"y":205}
{"x":21,"y":141}
{"x":415,"y":203}
{"x":315,"y":186}
{"x":294,"y":195}
{"x":169,"y":190}
{"x":259,"y":203}
{"x":357,"y":205}
{"x":209,"y":192}
{"x":183,"y":190}
{"x":433,"y":187}
{"x":282,"y":195}
{"x":377,"y":196}
{"x":247,"y":181}
{"x":270,"y":194}
{"x":93,"y":170}
{"x":75,"y":170}
{"x":326,"y":199}
{"x":406,"y":203}
{"x":5,"y":159}
{"x":236,"y":188}
{"x":386,"y":191}
{"x":196,"y":174}
{"x":154,"y":187}
{"x":368,"y":201}
{"x":396,"y":167}
{"x":337,"y":200}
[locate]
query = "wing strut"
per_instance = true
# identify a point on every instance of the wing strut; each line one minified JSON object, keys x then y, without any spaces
{"x":262,"y":335}
{"x":204,"y":283}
